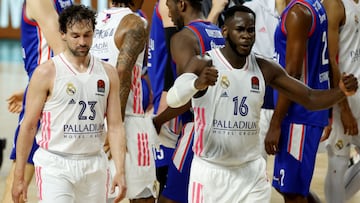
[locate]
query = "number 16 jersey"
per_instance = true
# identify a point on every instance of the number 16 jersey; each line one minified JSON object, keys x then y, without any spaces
{"x":227,"y":116}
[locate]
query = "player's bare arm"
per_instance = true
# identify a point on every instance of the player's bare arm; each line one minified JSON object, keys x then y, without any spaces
{"x":47,"y":20}
{"x":217,"y":7}
{"x":39,"y":91}
{"x":183,"y":47}
{"x":130,"y":38}
{"x":312,"y":99}
{"x":116,"y":132}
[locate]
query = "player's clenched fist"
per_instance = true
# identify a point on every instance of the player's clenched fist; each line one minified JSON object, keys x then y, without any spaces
{"x":348,"y":84}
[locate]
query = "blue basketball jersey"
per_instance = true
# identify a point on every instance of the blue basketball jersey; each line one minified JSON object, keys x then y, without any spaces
{"x":157,"y":57}
{"x":209,"y":35}
{"x":34,"y":45}
{"x":315,"y":72}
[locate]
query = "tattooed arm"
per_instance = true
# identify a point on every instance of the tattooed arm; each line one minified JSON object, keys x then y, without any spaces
{"x":130,"y":39}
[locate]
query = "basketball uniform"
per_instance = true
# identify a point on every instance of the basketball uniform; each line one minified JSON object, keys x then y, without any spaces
{"x":71,"y":136}
{"x":226,"y":141}
{"x":140,"y":132}
{"x":301,"y":129}
{"x":35,"y":51}
{"x":177,"y":186}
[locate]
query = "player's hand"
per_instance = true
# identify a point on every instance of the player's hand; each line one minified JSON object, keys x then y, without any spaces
{"x":19,"y":190}
{"x":348,"y":84}
{"x":207,"y":74}
{"x":272,"y":139}
{"x":326,"y":132}
{"x":157,"y":125}
{"x":15,"y":102}
{"x":349,"y":122}
{"x":119,"y":181}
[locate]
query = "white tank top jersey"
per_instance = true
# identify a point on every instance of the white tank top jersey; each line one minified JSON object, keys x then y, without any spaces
{"x":72,"y":120}
{"x":349,"y":48}
{"x":104,"y":48}
{"x":227,"y":116}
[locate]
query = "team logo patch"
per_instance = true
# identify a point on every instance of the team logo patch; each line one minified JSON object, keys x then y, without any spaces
{"x":255,"y":83}
{"x":70,"y":89}
{"x":101,"y":86}
{"x":225,"y":83}
{"x":339,"y":145}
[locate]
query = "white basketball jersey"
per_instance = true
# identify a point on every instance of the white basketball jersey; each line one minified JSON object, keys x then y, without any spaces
{"x":227,"y":116}
{"x":104,"y":47}
{"x":349,"y":48}
{"x":73,"y":118}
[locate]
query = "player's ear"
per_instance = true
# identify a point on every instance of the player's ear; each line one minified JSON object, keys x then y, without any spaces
{"x":182,"y":5}
{"x":224,"y":31}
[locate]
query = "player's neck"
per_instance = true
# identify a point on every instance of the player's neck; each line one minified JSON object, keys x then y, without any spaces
{"x":80,"y":63}
{"x":193,"y":16}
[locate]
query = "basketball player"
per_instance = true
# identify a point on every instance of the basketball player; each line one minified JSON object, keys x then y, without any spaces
{"x":294,"y":133}
{"x":195,"y":36}
{"x":227,"y":99}
{"x":72,"y":93}
{"x":120,"y":38}
{"x":39,"y":31}
{"x":343,"y":19}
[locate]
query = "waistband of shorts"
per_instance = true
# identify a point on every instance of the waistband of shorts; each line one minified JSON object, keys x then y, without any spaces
{"x":218,"y":166}
{"x":72,"y":156}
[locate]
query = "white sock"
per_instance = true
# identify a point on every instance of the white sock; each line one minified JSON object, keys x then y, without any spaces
{"x":352,"y":180}
{"x":334,"y":180}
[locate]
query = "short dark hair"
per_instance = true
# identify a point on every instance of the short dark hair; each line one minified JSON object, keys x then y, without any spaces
{"x":76,"y":13}
{"x":127,"y":3}
{"x":196,"y":4}
{"x":229,"y":13}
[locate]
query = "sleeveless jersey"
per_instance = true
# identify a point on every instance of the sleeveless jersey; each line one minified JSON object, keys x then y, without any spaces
{"x":34,"y":45}
{"x":227,"y":116}
{"x":209,"y":35}
{"x":315,"y":70}
{"x":73,"y":118}
{"x":349,"y":49}
{"x":104,"y":47}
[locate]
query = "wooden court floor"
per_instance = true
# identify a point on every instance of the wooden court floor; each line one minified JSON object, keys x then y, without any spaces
{"x":13,"y":78}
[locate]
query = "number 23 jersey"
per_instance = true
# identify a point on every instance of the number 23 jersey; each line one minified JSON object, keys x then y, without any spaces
{"x":73,"y":118}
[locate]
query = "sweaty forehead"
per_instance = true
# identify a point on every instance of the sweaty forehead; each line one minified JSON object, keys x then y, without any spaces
{"x":244,"y":18}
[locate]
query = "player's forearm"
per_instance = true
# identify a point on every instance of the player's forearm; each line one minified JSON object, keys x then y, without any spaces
{"x":117,"y":140}
{"x":23,"y":146}
{"x":324,"y":99}
{"x":280,"y":110}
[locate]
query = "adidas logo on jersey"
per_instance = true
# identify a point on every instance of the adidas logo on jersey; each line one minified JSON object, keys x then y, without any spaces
{"x":224,"y":94}
{"x":72,"y":101}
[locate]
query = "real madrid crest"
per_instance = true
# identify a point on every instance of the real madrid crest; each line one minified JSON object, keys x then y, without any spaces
{"x":70,"y":89}
{"x":339,"y":145}
{"x":225,"y":83}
